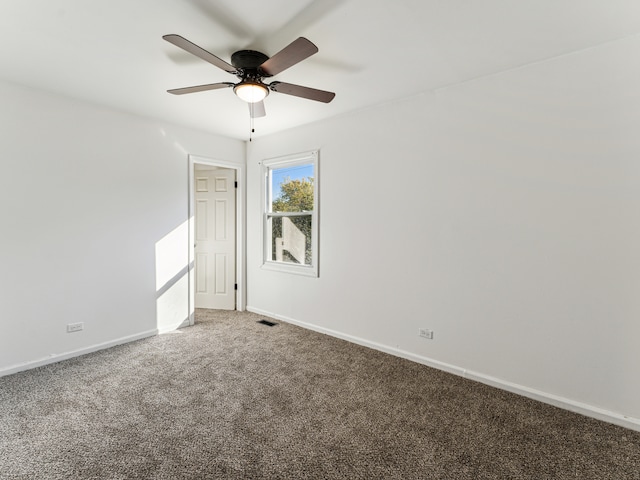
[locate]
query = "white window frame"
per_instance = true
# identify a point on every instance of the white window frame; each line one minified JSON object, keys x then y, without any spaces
{"x":281,"y":162}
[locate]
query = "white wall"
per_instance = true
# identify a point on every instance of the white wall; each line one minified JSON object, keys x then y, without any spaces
{"x":93,"y":211}
{"x":502,"y":213}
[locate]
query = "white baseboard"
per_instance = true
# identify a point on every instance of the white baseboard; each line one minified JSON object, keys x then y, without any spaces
{"x":555,"y":400}
{"x":58,"y":357}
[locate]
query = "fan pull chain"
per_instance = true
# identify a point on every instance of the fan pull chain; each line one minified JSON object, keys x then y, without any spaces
{"x":251,"y":121}
{"x":251,"y":129}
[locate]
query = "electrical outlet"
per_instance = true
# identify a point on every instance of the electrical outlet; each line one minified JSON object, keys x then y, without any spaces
{"x":425,"y":333}
{"x":75,"y":327}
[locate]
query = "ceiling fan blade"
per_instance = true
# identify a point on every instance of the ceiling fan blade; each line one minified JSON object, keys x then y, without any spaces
{"x":256,"y":110}
{"x":303,"y":92}
{"x":194,"y":49}
{"x":200,"y":88}
{"x":293,"y":53}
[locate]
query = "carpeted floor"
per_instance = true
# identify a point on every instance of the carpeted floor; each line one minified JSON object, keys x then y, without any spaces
{"x":233,"y":399}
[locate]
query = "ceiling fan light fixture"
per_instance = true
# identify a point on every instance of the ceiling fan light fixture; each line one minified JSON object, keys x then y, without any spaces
{"x":251,"y":92}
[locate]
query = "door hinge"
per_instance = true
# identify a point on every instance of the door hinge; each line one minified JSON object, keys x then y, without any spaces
{"x":236,"y":184}
{"x":235,"y":287}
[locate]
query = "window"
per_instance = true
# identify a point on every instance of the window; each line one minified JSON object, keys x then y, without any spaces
{"x":291,"y":214}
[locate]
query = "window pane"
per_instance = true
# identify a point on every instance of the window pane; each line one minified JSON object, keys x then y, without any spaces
{"x":291,"y":239}
{"x":292,"y":189}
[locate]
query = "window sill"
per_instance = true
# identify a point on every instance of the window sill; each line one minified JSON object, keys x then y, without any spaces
{"x":305,"y":270}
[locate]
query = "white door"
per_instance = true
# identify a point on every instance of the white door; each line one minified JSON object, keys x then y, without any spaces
{"x":215,"y":239}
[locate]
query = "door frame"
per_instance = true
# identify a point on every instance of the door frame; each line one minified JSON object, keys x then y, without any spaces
{"x":241,"y":296}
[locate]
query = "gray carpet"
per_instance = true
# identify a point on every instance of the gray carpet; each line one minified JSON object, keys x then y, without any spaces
{"x":233,"y":399}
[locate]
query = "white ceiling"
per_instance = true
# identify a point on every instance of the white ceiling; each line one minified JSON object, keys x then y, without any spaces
{"x":111,"y":51}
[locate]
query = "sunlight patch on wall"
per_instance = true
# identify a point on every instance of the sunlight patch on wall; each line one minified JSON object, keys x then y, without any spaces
{"x":172,"y":306}
{"x":172,"y":281}
{"x":171,"y":255}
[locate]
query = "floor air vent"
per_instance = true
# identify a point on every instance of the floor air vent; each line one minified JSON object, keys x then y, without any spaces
{"x":267,"y":323}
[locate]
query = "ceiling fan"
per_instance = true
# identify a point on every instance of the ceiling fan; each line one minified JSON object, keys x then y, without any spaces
{"x":252,"y":67}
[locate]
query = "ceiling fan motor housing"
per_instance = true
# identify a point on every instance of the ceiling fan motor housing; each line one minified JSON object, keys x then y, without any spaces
{"x":248,"y":59}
